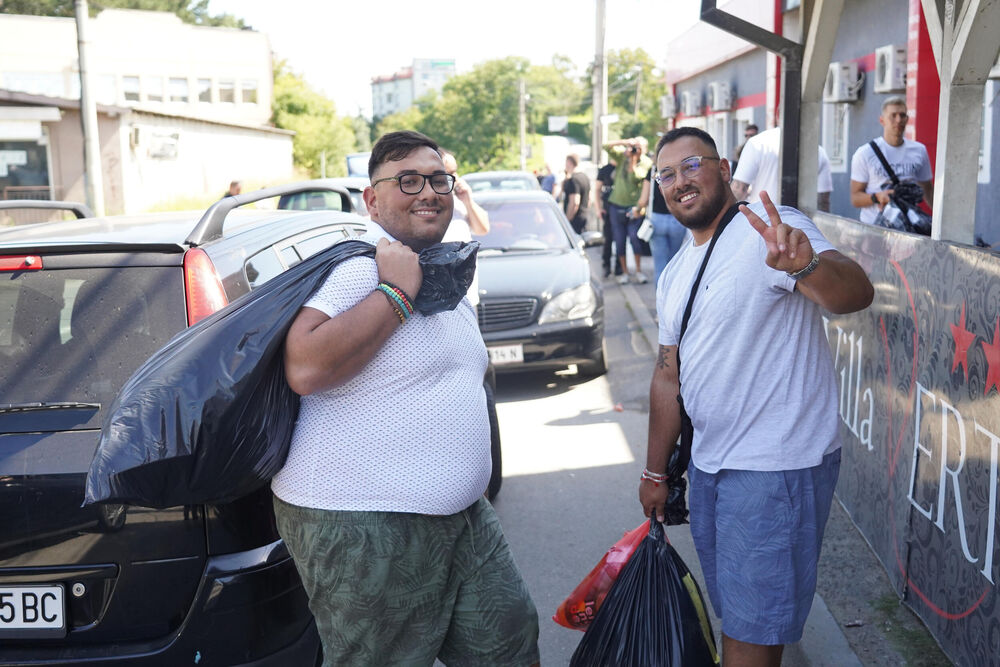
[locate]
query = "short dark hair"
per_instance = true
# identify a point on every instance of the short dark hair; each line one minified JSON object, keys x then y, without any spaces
{"x":396,"y":146}
{"x":679,"y":132}
{"x":751,"y":126}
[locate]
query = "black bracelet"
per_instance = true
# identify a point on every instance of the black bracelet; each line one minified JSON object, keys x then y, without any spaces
{"x":874,"y":198}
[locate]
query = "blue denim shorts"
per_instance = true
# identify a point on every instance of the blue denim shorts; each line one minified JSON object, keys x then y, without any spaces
{"x":758,"y":536}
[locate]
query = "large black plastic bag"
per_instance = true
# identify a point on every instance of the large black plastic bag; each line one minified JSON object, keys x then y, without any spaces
{"x":654,"y":614}
{"x":209,"y":417}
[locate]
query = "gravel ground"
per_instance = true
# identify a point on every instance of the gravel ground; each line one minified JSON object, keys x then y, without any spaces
{"x":854,"y":585}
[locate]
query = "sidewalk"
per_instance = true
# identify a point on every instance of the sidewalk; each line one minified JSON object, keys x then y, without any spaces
{"x":823,"y":642}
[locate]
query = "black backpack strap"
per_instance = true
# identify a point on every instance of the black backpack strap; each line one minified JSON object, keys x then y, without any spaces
{"x":885,"y":163}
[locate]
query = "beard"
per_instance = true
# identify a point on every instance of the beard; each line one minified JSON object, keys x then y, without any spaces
{"x":703,"y":215}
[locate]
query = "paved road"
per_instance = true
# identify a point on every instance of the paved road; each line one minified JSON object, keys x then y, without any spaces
{"x":573,"y":451}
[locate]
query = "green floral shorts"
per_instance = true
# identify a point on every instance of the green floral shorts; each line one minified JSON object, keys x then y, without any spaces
{"x":403,"y":589}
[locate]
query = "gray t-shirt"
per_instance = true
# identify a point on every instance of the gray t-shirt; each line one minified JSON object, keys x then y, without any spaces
{"x":756,"y":370}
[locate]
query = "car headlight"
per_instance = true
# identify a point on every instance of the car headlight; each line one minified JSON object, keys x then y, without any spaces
{"x":570,"y":305}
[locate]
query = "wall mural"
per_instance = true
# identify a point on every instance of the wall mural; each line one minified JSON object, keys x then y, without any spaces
{"x":919,"y":383}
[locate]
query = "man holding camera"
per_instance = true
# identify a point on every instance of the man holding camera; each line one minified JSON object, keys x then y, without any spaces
{"x":633,"y":167}
{"x":871,"y":185}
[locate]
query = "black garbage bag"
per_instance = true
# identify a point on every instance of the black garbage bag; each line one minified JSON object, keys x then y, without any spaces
{"x":654,"y":614}
{"x":675,"y":511}
{"x":209,"y":417}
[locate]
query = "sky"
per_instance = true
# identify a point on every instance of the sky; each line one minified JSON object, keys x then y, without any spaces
{"x":338,"y":46}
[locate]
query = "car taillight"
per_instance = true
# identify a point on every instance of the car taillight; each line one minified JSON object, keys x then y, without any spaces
{"x":202,"y":286}
{"x":20,"y":262}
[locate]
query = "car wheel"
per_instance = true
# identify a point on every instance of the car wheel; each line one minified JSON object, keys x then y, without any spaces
{"x":496,"y":476}
{"x":597,"y":365}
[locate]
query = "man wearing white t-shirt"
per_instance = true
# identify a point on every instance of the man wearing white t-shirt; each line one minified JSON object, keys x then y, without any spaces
{"x":755,"y":371}
{"x":380,"y":500}
{"x":757,"y":170}
{"x":870,"y":184}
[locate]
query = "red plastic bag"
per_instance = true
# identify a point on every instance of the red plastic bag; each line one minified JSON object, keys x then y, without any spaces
{"x":578,"y":610}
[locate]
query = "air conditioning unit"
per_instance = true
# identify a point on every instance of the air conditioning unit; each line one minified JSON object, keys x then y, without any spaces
{"x":136,"y":137}
{"x":691,"y":102}
{"x":890,"y":69}
{"x":668,"y":106}
{"x":842,"y":83}
{"x":720,"y":96}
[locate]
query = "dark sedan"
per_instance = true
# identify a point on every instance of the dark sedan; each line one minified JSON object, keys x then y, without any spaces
{"x":540,"y":307}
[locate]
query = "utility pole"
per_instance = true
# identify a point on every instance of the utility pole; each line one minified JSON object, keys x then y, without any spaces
{"x":638,"y":87}
{"x":521,"y":122}
{"x":599,"y":79}
{"x":93,"y":180}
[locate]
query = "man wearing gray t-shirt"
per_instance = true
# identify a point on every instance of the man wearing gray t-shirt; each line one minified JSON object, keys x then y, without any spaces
{"x":758,"y":384}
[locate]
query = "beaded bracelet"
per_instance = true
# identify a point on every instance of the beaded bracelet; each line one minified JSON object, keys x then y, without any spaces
{"x":392,"y":299}
{"x":395,"y":299}
{"x":407,"y":301}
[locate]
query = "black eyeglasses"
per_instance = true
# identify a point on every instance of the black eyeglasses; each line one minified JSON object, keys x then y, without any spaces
{"x":413,"y":184}
{"x":689,"y":166}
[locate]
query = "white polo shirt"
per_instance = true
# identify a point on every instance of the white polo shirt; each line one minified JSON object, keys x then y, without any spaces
{"x":410,"y":432}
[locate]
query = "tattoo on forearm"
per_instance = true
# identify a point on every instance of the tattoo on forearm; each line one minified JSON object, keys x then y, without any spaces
{"x":661,"y":358}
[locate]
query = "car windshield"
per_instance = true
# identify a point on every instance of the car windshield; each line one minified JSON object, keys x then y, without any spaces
{"x":524,"y":226}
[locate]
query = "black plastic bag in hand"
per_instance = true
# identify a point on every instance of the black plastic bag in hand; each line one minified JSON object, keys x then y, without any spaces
{"x":209,"y":417}
{"x":654,"y":614}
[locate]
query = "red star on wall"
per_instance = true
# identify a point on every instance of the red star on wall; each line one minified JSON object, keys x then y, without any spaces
{"x":992,"y":352}
{"x":963,"y":340}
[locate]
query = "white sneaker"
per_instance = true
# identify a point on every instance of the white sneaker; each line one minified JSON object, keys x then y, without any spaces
{"x":623,"y":279}
{"x":641,"y":278}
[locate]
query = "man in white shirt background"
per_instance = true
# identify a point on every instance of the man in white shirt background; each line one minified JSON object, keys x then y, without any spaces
{"x":757,"y":170}
{"x":871,"y":186}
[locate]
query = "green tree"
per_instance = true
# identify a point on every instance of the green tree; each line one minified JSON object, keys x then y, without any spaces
{"x":632,"y":74}
{"x":189,"y":11}
{"x":296,"y":106}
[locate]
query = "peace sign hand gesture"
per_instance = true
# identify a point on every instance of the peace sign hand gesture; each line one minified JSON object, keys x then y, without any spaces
{"x":788,"y":248}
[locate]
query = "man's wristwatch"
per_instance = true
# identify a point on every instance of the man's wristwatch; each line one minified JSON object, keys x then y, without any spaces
{"x":805,"y":270}
{"x":874,"y":198}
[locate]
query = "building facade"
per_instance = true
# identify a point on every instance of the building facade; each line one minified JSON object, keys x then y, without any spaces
{"x":182,"y":109}
{"x":398,"y":92}
{"x":721,"y":83}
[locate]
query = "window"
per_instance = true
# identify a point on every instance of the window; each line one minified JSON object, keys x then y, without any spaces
{"x":834,"y":135}
{"x":130,"y":88}
{"x":227,"y":90}
{"x":204,"y":90}
{"x":154,"y":89}
{"x":986,"y":132}
{"x":718,"y":123}
{"x":178,"y":89}
{"x":262,"y":267}
{"x":248,"y":91}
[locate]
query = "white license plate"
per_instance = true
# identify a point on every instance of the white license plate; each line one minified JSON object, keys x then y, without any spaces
{"x":506,"y":354}
{"x":32,"y":611}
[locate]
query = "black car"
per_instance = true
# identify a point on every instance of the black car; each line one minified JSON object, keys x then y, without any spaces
{"x":540,"y":306}
{"x":82,"y":305}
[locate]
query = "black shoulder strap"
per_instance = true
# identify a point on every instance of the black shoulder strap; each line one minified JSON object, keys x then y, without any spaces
{"x":885,"y":163}
{"x":730,"y":214}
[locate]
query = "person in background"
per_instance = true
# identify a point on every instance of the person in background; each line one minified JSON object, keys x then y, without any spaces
{"x":758,"y":382}
{"x":576,"y":194}
{"x":633,"y":167}
{"x":235,"y":188}
{"x":380,"y":501}
{"x":468,"y":219}
{"x":870,"y":184}
{"x":602,"y":188}
{"x":548,"y":181}
{"x":750,"y":130}
{"x":758,"y":170}
{"x":668,"y":234}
